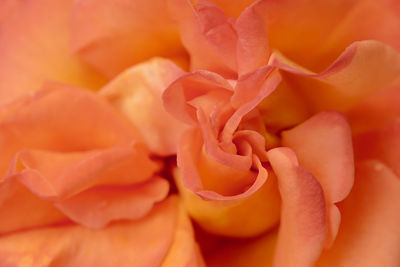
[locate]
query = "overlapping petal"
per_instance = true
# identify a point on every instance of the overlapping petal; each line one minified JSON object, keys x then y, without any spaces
{"x":145,"y":242}
{"x":114,"y":35}
{"x":369,"y":217}
{"x":136,"y":93}
{"x":64,"y":151}
{"x":34,"y":47}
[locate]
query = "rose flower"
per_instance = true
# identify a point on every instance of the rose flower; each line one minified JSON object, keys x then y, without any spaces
{"x":283,"y":117}
{"x":273,"y":127}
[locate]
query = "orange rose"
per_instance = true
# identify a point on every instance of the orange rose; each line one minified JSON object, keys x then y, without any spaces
{"x":282,"y":115}
{"x":258,"y":116}
{"x":82,"y":173}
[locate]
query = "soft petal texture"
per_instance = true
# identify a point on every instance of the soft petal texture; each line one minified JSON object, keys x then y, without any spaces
{"x":382,"y":144}
{"x":376,"y":111}
{"x":323,"y":146}
{"x":208,"y":35}
{"x":348,"y":80}
{"x":218,"y":203}
{"x":34,"y":48}
{"x":369,"y":217}
{"x":252,"y":49}
{"x":113,"y":35}
{"x":320,"y":30}
{"x":145,"y":242}
{"x":136,"y":93}
{"x":303,"y":226}
{"x":254,"y":252}
{"x":57,"y":148}
{"x":231,"y":10}
{"x":96,"y":207}
{"x":59,"y":175}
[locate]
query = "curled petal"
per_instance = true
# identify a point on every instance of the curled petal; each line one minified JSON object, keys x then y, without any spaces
{"x":369,"y":216}
{"x":323,"y":146}
{"x":303,"y":227}
{"x":208,"y":36}
{"x":145,"y":242}
{"x":141,"y":88}
{"x":45,"y":121}
{"x":221,"y":207}
{"x":34,"y":48}
{"x":97,"y":206}
{"x":348,"y":80}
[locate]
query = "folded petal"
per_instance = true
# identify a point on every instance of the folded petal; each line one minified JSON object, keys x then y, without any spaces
{"x":369,"y":216}
{"x":303,"y":227}
{"x":97,"y":206}
{"x":62,"y":119}
{"x":114,"y":35}
{"x":323,"y":146}
{"x":362,"y":69}
{"x":22,"y":209}
{"x":208,"y":35}
{"x":34,"y":48}
{"x":322,"y":29}
{"x":230,"y":10}
{"x":137,"y":92}
{"x":145,"y":242}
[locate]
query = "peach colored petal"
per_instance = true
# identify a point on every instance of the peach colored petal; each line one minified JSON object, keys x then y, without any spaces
{"x":34,"y":48}
{"x":237,"y":216}
{"x":189,"y":87}
{"x":46,"y":121}
{"x":363,"y":68}
{"x":320,"y":30}
{"x":231,"y":10}
{"x":7,"y":8}
{"x":382,"y":144}
{"x":303,"y":221}
{"x":376,"y":111}
{"x":323,"y":146}
{"x":137,"y":94}
{"x":252,"y":44}
{"x":145,"y":242}
{"x":208,"y":35}
{"x":17,"y":204}
{"x":255,"y":252}
{"x":97,"y":206}
{"x":184,"y":250}
{"x":112,"y":35}
{"x":370,"y":232}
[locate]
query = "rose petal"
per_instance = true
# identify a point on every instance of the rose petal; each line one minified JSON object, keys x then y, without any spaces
{"x":140,"y":89}
{"x":348,"y":80}
{"x":46,"y":121}
{"x":113,"y":35}
{"x":382,"y":144}
{"x":369,"y":217}
{"x":252,"y":45}
{"x":229,"y":9}
{"x":96,"y":207}
{"x":322,"y":29}
{"x":376,"y":111}
{"x":208,"y":36}
{"x":60,"y":175}
{"x":145,"y":242}
{"x":17,"y":204}
{"x":255,"y":252}
{"x":34,"y":48}
{"x":323,"y":146}
{"x":303,"y":221}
